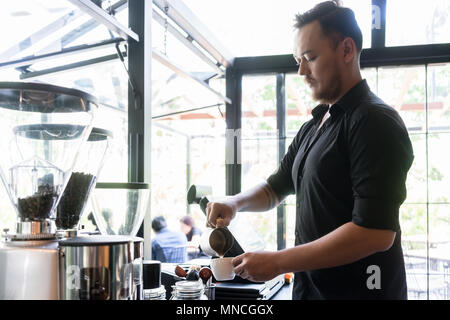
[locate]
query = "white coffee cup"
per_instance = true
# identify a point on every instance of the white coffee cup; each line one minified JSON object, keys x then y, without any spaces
{"x":222,"y":268}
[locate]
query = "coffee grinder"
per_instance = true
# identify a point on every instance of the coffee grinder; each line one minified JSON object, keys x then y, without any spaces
{"x":82,"y":181}
{"x":43,"y":127}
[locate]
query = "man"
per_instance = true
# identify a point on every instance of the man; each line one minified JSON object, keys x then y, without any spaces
{"x":347,"y":167}
{"x":193,"y":234}
{"x":167,"y":246}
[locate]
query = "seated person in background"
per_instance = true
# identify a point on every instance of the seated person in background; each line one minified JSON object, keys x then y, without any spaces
{"x":193,"y":234}
{"x":168,"y":245}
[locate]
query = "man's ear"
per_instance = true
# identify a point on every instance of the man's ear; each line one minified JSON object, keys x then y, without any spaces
{"x":349,"y":49}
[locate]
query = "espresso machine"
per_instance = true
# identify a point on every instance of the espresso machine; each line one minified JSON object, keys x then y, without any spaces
{"x":45,"y":130}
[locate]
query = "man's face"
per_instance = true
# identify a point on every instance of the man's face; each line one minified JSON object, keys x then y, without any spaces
{"x":185,"y":228}
{"x":318,"y":62}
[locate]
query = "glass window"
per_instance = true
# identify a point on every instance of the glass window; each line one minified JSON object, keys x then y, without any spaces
{"x":438,"y":167}
{"x":299,"y":103}
{"x":290,"y":221}
{"x":371,"y":76}
{"x":264,"y":27}
{"x":173,"y":93}
{"x":404,"y":89}
{"x":416,"y":182}
{"x":29,"y":19}
{"x":109,"y":83}
{"x":438,"y":81}
{"x":426,"y":257}
{"x":427,"y":22}
{"x":176,"y":51}
{"x":413,"y":219}
{"x":169,"y":159}
{"x":259,"y":146}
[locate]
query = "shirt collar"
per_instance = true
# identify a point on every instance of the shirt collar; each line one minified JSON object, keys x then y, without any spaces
{"x":345,"y":103}
{"x":319,"y":111}
{"x":351,"y":98}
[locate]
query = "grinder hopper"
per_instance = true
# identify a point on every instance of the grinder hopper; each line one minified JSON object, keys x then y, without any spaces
{"x":42,"y":129}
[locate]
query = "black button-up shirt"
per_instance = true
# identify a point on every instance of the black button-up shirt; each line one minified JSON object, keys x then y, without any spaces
{"x":353,"y":168}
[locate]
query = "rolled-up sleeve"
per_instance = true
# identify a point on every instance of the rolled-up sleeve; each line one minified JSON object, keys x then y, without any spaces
{"x":380,"y":155}
{"x":281,"y":180}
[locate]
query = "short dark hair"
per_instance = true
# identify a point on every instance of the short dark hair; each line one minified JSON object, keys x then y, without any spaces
{"x":158,"y":223}
{"x":337,"y":22}
{"x":187,"y":220}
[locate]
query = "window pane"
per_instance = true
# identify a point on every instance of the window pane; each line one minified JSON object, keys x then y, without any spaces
{"x":169,"y":159}
{"x":109,"y":83}
{"x":259,"y":107}
{"x":427,"y":22}
{"x":438,"y":97}
{"x":413,"y":220}
{"x":177,"y":52}
{"x":259,"y":147}
{"x":185,"y":151}
{"x":439,"y":253}
{"x":264,"y":27}
{"x":370,"y":74}
{"x":403,"y":88}
{"x":416,"y":184}
{"x":299,"y":103}
{"x":27,"y":17}
{"x":426,"y":276}
{"x":290,"y":223}
{"x":207,"y":164}
{"x":173,"y":93}
{"x":438,"y":167}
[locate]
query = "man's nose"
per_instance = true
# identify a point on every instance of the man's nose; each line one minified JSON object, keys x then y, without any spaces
{"x":303,"y":69}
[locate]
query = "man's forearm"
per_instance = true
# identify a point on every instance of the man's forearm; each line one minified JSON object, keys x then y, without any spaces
{"x":344,"y":245}
{"x":259,"y":198}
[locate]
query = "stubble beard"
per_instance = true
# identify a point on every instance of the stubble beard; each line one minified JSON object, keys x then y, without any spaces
{"x":330,"y":91}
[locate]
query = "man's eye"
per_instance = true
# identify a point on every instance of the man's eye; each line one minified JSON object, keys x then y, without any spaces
{"x":311,"y":59}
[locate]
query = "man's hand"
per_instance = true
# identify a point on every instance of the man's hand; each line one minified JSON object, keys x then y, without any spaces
{"x":256,"y":266}
{"x":219,"y":214}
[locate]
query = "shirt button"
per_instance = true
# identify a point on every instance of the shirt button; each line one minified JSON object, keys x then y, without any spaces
{"x":298,"y":205}
{"x":296,"y":234}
